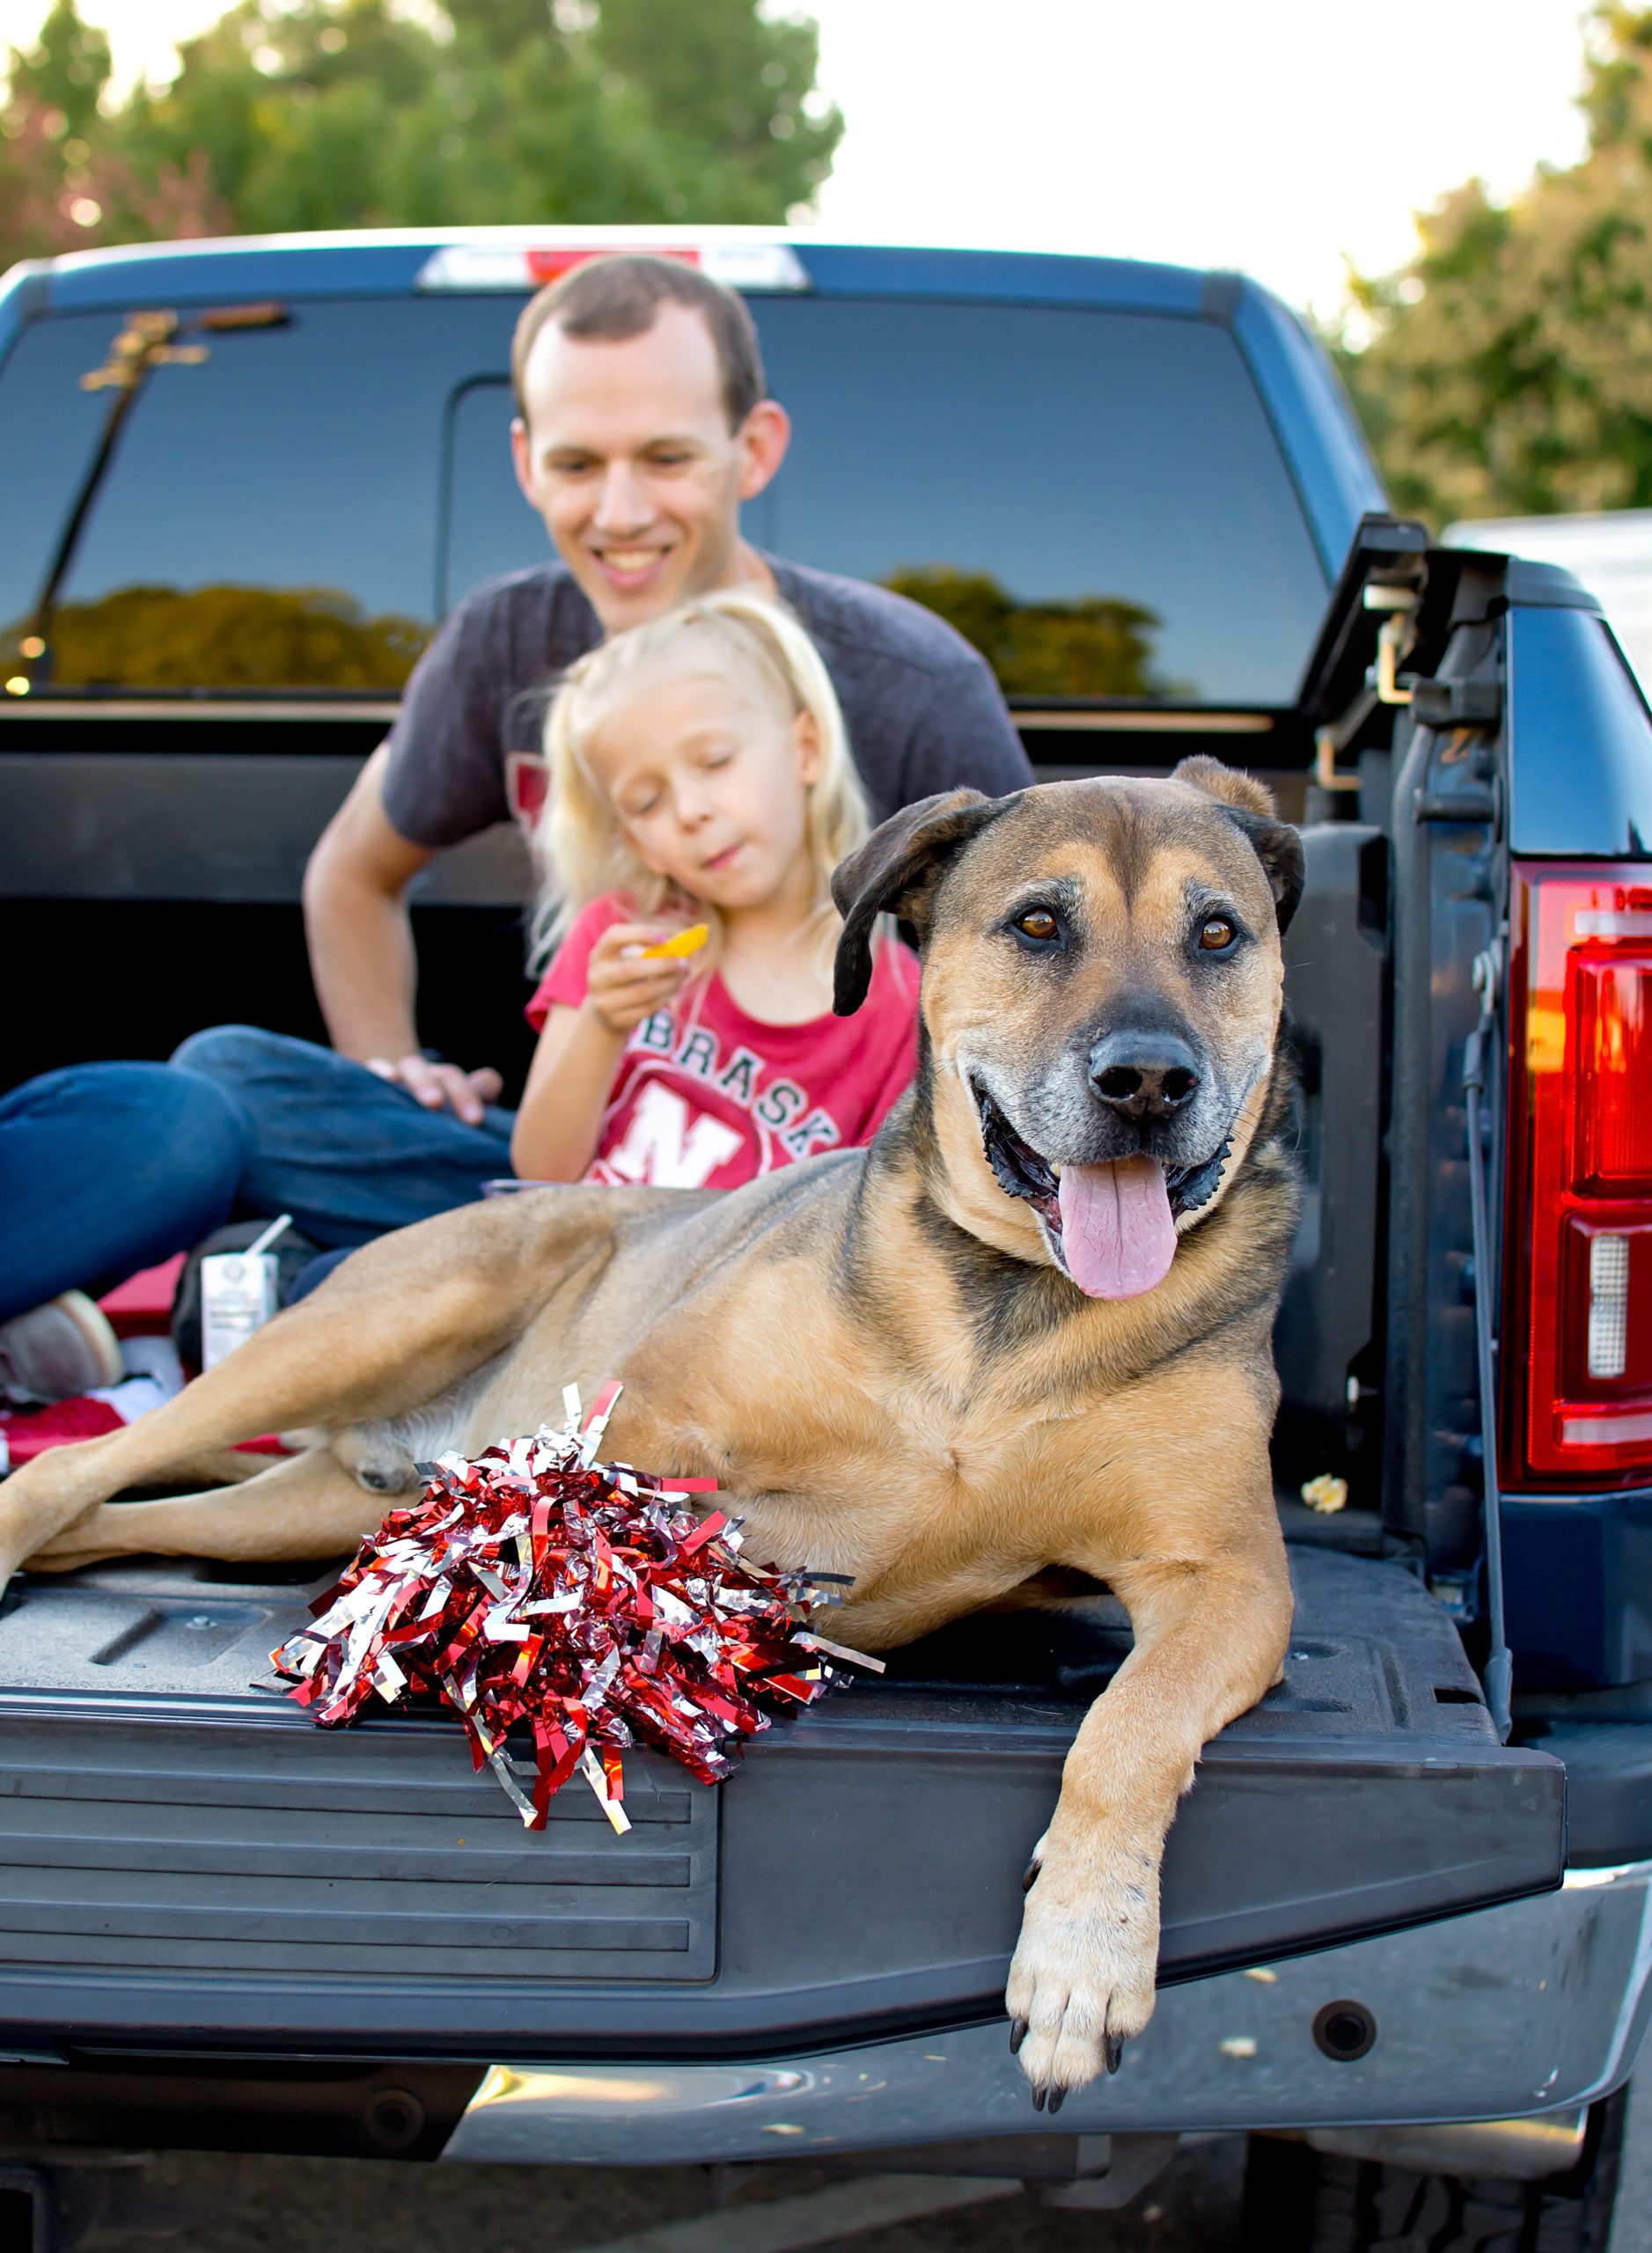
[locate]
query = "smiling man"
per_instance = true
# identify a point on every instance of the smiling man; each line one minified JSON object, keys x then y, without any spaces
{"x":643,"y":423}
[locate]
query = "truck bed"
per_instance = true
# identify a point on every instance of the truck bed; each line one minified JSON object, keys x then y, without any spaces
{"x":186,"y":1861}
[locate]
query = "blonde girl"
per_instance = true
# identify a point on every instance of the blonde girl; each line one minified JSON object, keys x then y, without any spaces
{"x":700,"y":776}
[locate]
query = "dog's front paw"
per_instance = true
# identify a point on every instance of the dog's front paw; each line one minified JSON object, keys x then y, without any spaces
{"x":1082,"y":1980}
{"x":40,"y":1501}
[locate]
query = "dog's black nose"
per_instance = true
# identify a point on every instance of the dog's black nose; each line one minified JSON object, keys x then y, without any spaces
{"x":1143,"y":1075}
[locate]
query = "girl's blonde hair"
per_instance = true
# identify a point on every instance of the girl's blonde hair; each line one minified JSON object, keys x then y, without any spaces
{"x":582,"y":849}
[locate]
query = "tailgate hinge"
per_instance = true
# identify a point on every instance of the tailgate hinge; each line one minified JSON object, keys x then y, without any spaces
{"x":1470,"y":702}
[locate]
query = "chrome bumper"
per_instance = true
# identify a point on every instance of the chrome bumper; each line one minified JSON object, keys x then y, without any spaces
{"x":1532,"y":2006}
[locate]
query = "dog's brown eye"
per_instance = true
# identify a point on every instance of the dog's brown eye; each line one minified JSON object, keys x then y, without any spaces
{"x":1217,"y":933}
{"x":1039,"y":923}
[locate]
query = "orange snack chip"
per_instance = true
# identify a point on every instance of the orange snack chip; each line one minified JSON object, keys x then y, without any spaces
{"x":680,"y":943}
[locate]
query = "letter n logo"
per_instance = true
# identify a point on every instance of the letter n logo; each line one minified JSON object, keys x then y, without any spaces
{"x":661,"y":1149}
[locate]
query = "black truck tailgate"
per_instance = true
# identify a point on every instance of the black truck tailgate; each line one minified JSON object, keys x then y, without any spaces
{"x":185,"y":1862}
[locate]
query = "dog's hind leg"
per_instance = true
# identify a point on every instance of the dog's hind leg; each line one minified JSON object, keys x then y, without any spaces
{"x":219,"y":1467}
{"x":400,"y":1321}
{"x":306,"y":1507}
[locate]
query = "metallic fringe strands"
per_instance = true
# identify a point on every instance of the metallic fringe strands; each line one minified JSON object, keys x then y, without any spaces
{"x":585,"y":1601}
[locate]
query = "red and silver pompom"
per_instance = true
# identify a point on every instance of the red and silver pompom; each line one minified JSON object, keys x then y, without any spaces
{"x":584,"y":1600}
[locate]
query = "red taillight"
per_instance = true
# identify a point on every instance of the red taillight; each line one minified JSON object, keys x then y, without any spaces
{"x":1578,"y":1327}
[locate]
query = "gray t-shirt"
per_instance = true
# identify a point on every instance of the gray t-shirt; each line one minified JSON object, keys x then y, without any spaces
{"x":922,"y":709}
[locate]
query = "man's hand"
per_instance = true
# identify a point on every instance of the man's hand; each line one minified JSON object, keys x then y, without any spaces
{"x":622,"y":986}
{"x":441,"y":1087}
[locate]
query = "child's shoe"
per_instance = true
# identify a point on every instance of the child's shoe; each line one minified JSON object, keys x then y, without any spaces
{"x":58,"y":1350}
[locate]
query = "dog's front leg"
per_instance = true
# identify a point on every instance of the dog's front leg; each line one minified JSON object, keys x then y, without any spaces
{"x":1210,"y":1636}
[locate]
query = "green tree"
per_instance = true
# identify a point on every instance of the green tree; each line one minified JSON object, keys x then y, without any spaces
{"x":303,"y":114}
{"x":65,"y":178}
{"x":65,"y":71}
{"x":229,"y":637}
{"x":734,"y":94}
{"x":1100,"y":645}
{"x":1509,"y":366}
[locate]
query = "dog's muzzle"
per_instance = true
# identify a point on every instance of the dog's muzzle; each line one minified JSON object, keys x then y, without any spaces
{"x":1111,"y":1227}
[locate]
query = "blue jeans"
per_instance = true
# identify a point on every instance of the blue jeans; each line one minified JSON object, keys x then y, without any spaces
{"x":349,"y":1155}
{"x":105,"y":1169}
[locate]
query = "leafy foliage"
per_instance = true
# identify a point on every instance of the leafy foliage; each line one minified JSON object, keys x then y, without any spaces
{"x":1100,"y":645}
{"x":66,"y":178}
{"x":351,"y":112}
{"x":228,"y":637}
{"x":1509,"y":370}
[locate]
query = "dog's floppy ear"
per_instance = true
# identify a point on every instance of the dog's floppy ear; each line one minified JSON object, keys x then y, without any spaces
{"x":894,"y":873}
{"x":1250,"y":807}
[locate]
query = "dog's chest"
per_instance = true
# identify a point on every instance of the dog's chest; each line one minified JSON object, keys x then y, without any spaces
{"x":861,"y":1484}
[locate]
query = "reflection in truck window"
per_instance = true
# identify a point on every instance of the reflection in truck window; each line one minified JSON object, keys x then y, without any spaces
{"x":268,"y":520}
{"x":1095,"y":499}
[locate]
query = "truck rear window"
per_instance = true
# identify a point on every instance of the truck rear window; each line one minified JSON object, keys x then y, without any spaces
{"x":1094,"y":498}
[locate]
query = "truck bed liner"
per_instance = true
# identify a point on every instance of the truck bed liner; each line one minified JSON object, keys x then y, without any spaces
{"x":186,"y":1861}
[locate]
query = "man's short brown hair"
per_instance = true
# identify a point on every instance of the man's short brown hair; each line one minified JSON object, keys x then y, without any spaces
{"x":607,"y":300}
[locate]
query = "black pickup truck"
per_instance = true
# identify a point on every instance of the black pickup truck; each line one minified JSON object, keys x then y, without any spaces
{"x":1407,"y":1915}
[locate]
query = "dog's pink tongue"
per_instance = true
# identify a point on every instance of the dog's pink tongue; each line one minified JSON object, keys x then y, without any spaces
{"x":1118,"y":1233}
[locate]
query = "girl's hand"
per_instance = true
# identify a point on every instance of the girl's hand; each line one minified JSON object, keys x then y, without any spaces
{"x":622,"y":986}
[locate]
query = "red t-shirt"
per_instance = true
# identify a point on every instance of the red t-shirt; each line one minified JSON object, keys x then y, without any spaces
{"x":706,"y":1096}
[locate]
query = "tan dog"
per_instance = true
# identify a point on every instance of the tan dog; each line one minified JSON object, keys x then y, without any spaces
{"x":1030,"y":1326}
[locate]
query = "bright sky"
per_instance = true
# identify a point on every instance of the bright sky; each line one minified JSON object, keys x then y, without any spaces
{"x":1283,"y":136}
